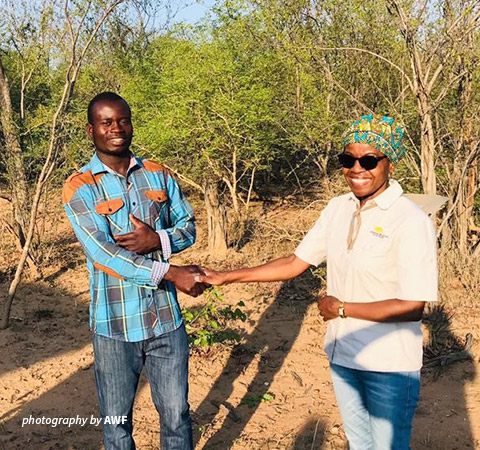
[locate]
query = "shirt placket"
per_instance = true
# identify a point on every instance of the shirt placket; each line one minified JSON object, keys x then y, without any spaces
{"x":353,"y":233}
{"x":133,"y":198}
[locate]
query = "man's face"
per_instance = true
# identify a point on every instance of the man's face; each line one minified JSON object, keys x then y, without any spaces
{"x":366,"y":184}
{"x":111,"y":130}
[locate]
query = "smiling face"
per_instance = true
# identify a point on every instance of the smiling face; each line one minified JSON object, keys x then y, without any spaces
{"x":111,"y":130}
{"x":366,"y":184}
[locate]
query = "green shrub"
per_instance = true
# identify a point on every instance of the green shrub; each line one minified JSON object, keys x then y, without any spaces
{"x":210,"y":325}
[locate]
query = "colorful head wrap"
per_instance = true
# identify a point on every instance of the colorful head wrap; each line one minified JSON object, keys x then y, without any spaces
{"x":378,"y":132}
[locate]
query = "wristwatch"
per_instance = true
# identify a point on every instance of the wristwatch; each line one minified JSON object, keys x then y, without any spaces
{"x":341,"y":310}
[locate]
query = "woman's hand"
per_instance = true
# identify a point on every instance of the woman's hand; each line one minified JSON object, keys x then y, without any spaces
{"x":280,"y":269}
{"x":212,"y":277}
{"x":328,"y":307}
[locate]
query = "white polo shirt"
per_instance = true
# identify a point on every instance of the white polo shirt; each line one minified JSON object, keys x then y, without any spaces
{"x":394,"y":256}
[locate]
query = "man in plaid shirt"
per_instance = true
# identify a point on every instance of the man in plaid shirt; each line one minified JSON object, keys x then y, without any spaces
{"x":130,"y":215}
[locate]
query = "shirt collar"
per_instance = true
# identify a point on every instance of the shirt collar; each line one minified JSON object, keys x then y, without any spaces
{"x":97,"y":166}
{"x":388,"y":197}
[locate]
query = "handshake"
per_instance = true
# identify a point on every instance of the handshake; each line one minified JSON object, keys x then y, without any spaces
{"x":192,"y":280}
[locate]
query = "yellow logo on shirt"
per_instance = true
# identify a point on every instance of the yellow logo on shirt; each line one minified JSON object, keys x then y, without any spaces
{"x":378,"y":232}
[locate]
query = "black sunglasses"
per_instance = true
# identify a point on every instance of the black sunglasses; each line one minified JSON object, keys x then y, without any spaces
{"x":368,"y":162}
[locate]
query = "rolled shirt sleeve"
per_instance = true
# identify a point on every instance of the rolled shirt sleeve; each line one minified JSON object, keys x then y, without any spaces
{"x":165,"y":244}
{"x":159,"y":269}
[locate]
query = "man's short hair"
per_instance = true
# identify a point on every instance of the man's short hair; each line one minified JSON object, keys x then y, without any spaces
{"x":108,"y":96}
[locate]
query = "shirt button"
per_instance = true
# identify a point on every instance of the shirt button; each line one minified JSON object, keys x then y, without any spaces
{"x":133,"y":203}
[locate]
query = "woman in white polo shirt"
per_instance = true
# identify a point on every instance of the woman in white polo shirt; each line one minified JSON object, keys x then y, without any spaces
{"x":380,"y":250}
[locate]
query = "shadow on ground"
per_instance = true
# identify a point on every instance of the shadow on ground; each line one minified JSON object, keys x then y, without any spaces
{"x":46,"y":324}
{"x":311,"y":436}
{"x":443,"y":395}
{"x":273,"y":336}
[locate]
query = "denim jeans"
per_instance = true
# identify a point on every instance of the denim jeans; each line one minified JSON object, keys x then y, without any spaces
{"x":118,"y":365}
{"x":377,"y":407}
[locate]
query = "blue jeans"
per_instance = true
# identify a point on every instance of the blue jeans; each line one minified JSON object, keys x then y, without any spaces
{"x":377,"y":407}
{"x":118,"y":365}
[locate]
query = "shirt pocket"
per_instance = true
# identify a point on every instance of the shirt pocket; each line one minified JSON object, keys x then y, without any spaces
{"x":374,"y":253}
{"x":158,"y":200}
{"x":113,"y":211}
{"x":376,"y":246}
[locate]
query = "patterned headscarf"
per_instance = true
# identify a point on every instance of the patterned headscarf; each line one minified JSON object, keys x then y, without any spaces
{"x":378,"y":132}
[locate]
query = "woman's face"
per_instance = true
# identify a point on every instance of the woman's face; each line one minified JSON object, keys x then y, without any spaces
{"x":367,"y":184}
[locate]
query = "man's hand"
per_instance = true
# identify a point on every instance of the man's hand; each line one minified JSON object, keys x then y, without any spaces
{"x":211,"y":277}
{"x":328,"y":307}
{"x":184,"y":279}
{"x":142,"y":240}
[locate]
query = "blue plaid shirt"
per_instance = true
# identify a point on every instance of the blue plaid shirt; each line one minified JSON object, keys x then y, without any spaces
{"x":126,"y":301}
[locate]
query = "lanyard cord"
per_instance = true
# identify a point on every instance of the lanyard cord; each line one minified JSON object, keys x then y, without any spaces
{"x":355,"y":224}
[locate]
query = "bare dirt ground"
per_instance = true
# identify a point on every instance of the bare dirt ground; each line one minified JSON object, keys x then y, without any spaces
{"x":46,"y":363}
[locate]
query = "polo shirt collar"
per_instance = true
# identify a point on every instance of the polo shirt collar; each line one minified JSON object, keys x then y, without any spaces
{"x":388,"y":197}
{"x":96,"y":166}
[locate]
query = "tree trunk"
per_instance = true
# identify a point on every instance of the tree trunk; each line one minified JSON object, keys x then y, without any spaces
{"x":17,"y":178}
{"x":472,"y":187}
{"x":216,"y":219}
{"x":427,"y":155}
{"x":14,"y":159}
{"x":465,"y":181}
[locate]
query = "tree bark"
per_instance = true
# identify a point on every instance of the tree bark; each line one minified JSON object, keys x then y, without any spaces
{"x":17,"y":178}
{"x":464,"y":174}
{"x":14,"y":159}
{"x":427,"y":149}
{"x":216,"y":219}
